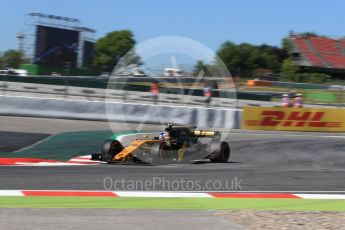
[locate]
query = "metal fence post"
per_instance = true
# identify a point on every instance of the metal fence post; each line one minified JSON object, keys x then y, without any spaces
{"x":4,"y":85}
{"x":66,"y":88}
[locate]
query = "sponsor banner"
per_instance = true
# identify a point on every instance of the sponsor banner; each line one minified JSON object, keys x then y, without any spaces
{"x":294,"y":119}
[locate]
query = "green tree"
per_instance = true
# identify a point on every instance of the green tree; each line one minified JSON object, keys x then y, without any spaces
{"x":286,"y":44}
{"x":289,"y":70}
{"x":249,"y":57}
{"x":227,"y":53}
{"x":2,"y":63}
{"x":289,"y":66}
{"x":272,"y":62}
{"x":309,"y":34}
{"x":111,"y":48}
{"x":317,"y":78}
{"x":11,"y":59}
{"x":199,"y":67}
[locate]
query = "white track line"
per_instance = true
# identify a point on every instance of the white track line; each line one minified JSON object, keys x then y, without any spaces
{"x":164,"y":194}
{"x":322,"y":196}
{"x":11,"y":193}
{"x":173,"y":194}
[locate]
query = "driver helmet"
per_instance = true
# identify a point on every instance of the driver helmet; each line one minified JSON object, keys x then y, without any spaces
{"x":164,"y":136}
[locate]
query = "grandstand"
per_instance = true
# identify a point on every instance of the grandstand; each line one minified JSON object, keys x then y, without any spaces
{"x":319,"y":54}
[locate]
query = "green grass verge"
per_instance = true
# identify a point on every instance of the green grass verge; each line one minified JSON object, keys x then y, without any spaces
{"x":172,"y":203}
{"x":310,"y":95}
{"x":324,"y":97}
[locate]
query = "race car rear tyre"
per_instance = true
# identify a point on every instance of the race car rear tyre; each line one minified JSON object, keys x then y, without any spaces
{"x":161,"y":153}
{"x":220,"y":152}
{"x":109,"y":149}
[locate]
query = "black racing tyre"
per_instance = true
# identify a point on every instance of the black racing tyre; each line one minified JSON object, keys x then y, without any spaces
{"x":109,"y":149}
{"x":220,"y":152}
{"x":161,"y":153}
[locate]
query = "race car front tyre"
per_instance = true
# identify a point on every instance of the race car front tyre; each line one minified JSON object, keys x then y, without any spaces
{"x":220,"y":152}
{"x":109,"y":149}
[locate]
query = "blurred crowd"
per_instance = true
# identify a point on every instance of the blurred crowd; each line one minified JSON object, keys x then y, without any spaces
{"x":292,"y":102}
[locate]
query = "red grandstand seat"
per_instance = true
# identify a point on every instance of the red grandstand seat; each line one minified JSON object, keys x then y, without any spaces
{"x":302,"y":46}
{"x":323,"y":50}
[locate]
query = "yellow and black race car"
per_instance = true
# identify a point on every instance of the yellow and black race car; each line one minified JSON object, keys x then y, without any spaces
{"x":176,"y":144}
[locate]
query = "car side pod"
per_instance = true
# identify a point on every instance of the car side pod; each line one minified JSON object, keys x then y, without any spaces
{"x":161,"y":153}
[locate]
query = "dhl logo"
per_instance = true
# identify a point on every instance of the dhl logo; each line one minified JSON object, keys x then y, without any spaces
{"x":293,"y":119}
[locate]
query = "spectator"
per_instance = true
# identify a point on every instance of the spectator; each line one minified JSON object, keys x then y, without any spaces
{"x":154,"y":92}
{"x":298,"y":101}
{"x":208,"y":94}
{"x":285,"y":101}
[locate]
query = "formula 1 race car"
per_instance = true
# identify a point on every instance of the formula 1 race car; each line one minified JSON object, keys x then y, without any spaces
{"x":176,"y":144}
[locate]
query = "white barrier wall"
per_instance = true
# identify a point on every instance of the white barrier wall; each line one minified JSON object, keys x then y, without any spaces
{"x":122,"y":112}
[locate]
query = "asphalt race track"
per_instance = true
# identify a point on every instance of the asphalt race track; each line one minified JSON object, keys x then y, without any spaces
{"x":260,"y":161}
{"x":13,"y":141}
